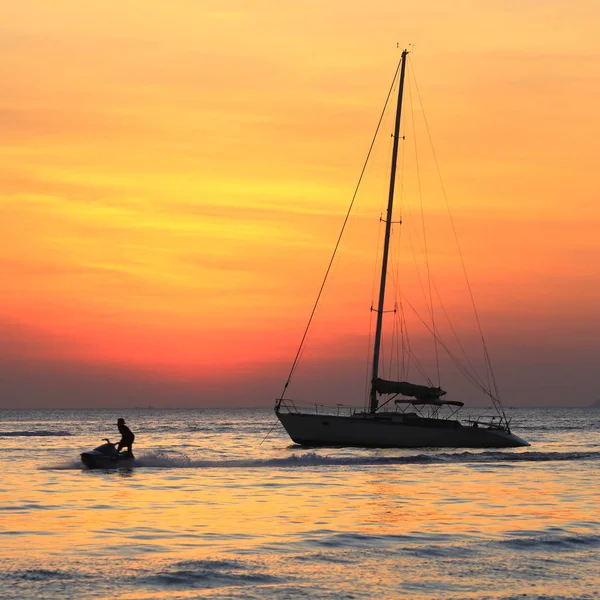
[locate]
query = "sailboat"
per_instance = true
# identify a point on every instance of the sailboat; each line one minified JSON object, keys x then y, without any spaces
{"x":422,"y":417}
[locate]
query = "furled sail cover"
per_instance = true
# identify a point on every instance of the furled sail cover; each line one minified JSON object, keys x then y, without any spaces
{"x":422,"y":392}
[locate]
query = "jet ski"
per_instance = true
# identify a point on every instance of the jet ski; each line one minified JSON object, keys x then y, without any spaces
{"x":106,"y":457}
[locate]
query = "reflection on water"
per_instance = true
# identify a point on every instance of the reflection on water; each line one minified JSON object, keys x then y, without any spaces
{"x":205,"y":511}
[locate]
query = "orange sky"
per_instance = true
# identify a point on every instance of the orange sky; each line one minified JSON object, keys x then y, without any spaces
{"x":173,"y":176}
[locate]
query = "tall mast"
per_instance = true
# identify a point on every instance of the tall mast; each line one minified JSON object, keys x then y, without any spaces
{"x":386,"y":244}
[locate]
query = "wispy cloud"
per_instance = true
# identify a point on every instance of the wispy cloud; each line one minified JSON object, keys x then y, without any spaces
{"x":173,"y":177}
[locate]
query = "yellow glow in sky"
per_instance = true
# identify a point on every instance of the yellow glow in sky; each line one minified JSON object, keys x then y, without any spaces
{"x":173,"y":176}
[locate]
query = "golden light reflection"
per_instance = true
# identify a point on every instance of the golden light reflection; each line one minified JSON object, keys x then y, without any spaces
{"x":291,"y":508}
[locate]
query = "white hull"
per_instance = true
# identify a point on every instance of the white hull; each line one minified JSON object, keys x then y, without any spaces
{"x":392,"y":430}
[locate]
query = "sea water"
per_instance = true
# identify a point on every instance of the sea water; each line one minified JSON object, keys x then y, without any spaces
{"x":208,"y":511}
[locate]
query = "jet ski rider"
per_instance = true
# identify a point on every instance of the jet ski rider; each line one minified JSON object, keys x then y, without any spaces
{"x":127,"y":437}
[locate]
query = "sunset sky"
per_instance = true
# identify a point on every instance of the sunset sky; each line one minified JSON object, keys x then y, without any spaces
{"x":174,"y":174}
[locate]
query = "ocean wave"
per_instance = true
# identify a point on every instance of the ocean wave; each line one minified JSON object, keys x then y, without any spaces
{"x":207,"y":573}
{"x":172,"y":459}
{"x":313,"y":459}
{"x":557,"y":427}
{"x":44,"y":575}
{"x":39,"y":433}
{"x":326,"y":557}
{"x":548,"y":541}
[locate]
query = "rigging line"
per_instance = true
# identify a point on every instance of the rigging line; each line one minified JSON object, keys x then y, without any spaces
{"x":393,"y":271}
{"x":403,"y":339}
{"x":474,"y":374}
{"x":399,"y":347}
{"x":408,"y":355}
{"x":431,"y":310}
{"x":403,"y":332}
{"x":395,"y":258}
{"x":268,"y":433}
{"x":398,"y":333}
{"x":296,"y":358}
{"x":398,"y":308}
{"x":439,"y":339}
{"x":497,"y":403}
{"x":422,"y":287}
{"x":405,"y":342}
{"x":367,"y":362}
{"x":394,"y":336}
{"x":457,"y":339}
{"x":397,"y":344}
{"x":388,"y":400}
{"x":412,"y":356}
{"x":378,"y":260}
{"x":435,"y":333}
{"x":473,"y":377}
{"x":417,"y":267}
{"x":397,"y":239}
{"x":412,"y":244}
{"x":457,"y":363}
